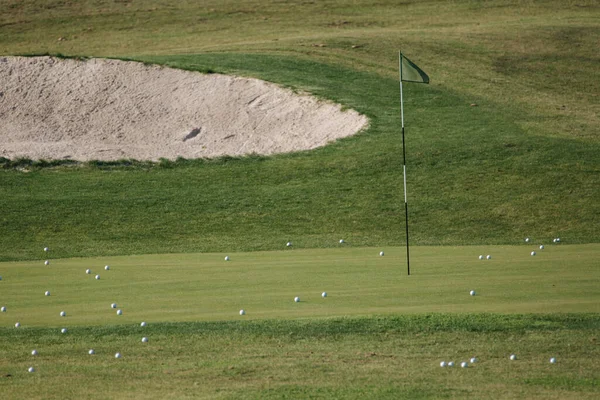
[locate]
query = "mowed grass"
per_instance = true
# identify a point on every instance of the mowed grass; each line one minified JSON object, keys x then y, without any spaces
{"x":200,"y":347}
{"x":503,"y":144}
{"x":196,"y":287}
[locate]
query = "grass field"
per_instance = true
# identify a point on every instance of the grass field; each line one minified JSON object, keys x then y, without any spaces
{"x":378,"y":332}
{"x":502,"y":145}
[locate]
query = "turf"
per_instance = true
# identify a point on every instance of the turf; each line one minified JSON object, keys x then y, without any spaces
{"x":359,"y":282}
{"x":379,"y":332}
{"x":523,"y":162}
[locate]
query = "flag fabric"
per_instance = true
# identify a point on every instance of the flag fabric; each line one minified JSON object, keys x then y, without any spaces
{"x":409,"y":72}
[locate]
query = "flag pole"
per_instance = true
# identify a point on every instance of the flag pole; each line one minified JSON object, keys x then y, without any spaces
{"x":404,"y":166}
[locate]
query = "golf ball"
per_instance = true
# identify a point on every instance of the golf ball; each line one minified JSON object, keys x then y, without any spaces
{"x":472,"y":293}
{"x":324,"y":294}
{"x":63,"y":314}
{"x":533,"y":253}
{"x":464,"y":364}
{"x":541,"y":247}
{"x":88,"y":271}
{"x":226,"y":258}
{"x":242,"y":312}
{"x":341,"y":241}
{"x":451,"y":363}
{"x":381,"y":253}
{"x":481,"y":257}
{"x":553,"y":360}
{"x":47,"y":293}
{"x":513,"y":357}
{"x":17,"y":325}
{"x":119,"y":312}
{"x":488,"y":257}
{"x":46,"y":262}
{"x":526,"y":240}
{"x":46,"y":249}
{"x":97,"y":277}
{"x":31,"y":369}
{"x":443,"y":364}
{"x":289,"y":244}
{"x":557,"y":240}
{"x":3,"y":309}
{"x":34,"y":353}
{"x":63,"y":330}
{"x":144,"y":340}
{"x":473,"y":360}
{"x":91,"y":352}
{"x":106,"y":267}
{"x":297,"y":299}
{"x":113,"y":305}
{"x":143,"y":324}
{"x":118,"y":355}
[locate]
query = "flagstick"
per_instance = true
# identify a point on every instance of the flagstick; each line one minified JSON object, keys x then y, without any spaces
{"x":404,"y":167}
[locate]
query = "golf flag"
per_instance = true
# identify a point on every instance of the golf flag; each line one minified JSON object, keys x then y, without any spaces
{"x":409,"y":72}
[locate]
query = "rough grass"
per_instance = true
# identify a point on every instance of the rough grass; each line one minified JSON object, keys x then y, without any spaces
{"x":382,"y":357}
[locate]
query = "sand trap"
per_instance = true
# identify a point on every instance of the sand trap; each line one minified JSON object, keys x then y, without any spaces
{"x":107,"y":110}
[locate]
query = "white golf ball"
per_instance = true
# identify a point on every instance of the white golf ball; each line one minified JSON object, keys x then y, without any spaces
{"x":541,"y":247}
{"x":47,"y":293}
{"x":481,"y":257}
{"x":119,"y":312}
{"x":91,"y":352}
{"x":63,"y":314}
{"x":34,"y":353}
{"x":464,"y":364}
{"x":113,"y":305}
{"x":513,"y":357}
{"x":106,"y":267}
{"x":297,"y":299}
{"x":3,"y":309}
{"x":46,"y":262}
{"x":242,"y":312}
{"x":472,"y":293}
{"x":381,"y":253}
{"x":451,"y":363}
{"x":118,"y":355}
{"x":553,"y":360}
{"x":31,"y":369}
{"x":144,"y":340}
{"x":443,"y":364}
{"x":63,"y":330}
{"x":46,"y":249}
{"x":97,"y":277}
{"x":226,"y":258}
{"x":557,"y":240}
{"x":488,"y":257}
{"x":324,"y":294}
{"x":289,"y":244}
{"x":533,"y":253}
{"x":88,"y":271}
{"x":526,"y":240}
{"x":473,"y":360}
{"x":341,"y":241}
{"x":143,"y":324}
{"x":17,"y":325}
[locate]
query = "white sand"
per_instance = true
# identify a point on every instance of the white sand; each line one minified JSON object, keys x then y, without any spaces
{"x":107,"y":109}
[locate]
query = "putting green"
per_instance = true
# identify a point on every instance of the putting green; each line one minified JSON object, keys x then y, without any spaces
{"x":204,"y":287}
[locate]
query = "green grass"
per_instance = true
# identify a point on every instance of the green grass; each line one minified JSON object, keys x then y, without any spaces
{"x":519,"y":164}
{"x":196,"y":287}
{"x":379,"y":333}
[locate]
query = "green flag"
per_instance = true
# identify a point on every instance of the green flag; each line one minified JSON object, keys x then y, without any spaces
{"x":409,"y":72}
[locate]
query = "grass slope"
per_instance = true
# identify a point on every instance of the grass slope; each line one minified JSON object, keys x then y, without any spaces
{"x":388,"y":358}
{"x":523,"y":162}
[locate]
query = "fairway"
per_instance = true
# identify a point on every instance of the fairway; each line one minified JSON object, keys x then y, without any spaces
{"x":359,"y":282}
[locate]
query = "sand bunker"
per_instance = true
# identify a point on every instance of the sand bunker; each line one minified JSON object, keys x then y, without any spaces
{"x":107,"y":110}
